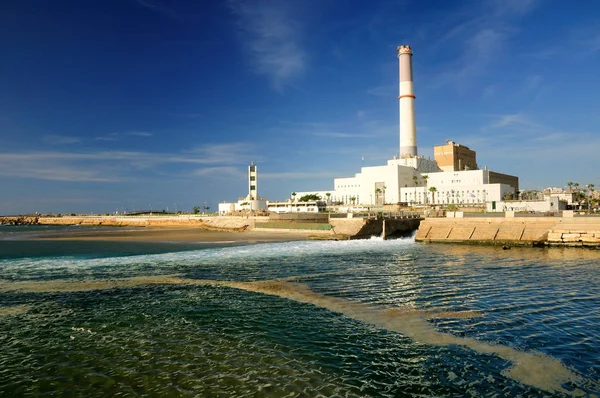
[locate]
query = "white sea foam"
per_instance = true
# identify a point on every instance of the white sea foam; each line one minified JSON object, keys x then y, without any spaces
{"x":218,"y":255}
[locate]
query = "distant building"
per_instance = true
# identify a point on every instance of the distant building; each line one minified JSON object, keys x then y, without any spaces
{"x":453,"y":177}
{"x":252,"y":202}
{"x":297,"y":207}
{"x":454,"y":157}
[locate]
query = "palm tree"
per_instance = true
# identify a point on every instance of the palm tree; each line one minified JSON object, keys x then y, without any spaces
{"x":570,"y":185}
{"x":328,"y":196}
{"x":416,"y":180}
{"x":591,"y":188}
{"x":383,"y":190}
{"x":425,"y":184}
{"x":433,"y":190}
{"x":353,"y":199}
{"x":293,"y":196}
{"x":377,"y":193}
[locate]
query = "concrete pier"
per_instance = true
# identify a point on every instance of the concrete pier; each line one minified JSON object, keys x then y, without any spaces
{"x":512,"y":231}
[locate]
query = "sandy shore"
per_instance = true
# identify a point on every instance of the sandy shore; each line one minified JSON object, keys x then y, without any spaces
{"x":177,"y":235}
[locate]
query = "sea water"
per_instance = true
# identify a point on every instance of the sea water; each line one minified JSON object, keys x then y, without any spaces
{"x":368,"y":318}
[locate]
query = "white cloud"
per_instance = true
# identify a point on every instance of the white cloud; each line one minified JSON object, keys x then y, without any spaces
{"x":385,"y":90}
{"x":60,"y":139}
{"x":298,"y":175}
{"x":511,"y":120}
{"x":341,"y":135}
{"x":156,"y":5}
{"x":108,"y":137}
{"x":114,"y":166}
{"x":221,"y":171}
{"x":140,"y":133}
{"x":482,"y":31}
{"x":272,"y":38}
{"x":512,"y":7}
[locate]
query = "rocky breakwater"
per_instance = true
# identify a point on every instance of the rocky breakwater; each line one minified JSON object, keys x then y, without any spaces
{"x":512,"y":231}
{"x":19,"y":220}
{"x":581,"y":231}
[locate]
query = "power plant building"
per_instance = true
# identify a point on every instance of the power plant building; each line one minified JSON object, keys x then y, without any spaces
{"x":454,"y":157}
{"x":453,"y":177}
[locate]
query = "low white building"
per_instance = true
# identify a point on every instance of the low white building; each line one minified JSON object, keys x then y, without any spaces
{"x":243,"y":204}
{"x":410,"y":182}
{"x":297,"y":207}
{"x":548,"y":204}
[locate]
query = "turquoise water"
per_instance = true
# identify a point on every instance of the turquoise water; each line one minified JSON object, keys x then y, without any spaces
{"x":313,"y":318}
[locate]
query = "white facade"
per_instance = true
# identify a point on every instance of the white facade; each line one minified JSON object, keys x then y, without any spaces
{"x":296,"y":207}
{"x":242,"y":205}
{"x":548,"y":204}
{"x":395,"y":183}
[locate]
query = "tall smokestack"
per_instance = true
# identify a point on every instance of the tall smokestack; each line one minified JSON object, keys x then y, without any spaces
{"x":408,"y":127}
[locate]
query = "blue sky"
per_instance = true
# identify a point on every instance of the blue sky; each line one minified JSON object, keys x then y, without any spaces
{"x":108,"y":105}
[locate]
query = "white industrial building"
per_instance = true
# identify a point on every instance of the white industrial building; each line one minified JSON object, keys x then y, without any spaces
{"x":409,"y":179}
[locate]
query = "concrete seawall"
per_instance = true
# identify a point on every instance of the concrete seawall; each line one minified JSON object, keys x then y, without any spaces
{"x":210,"y":223}
{"x":525,"y":231}
{"x":340,"y":228}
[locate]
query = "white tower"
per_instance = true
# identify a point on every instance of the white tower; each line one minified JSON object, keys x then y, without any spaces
{"x":408,"y":127}
{"x":252,"y":182}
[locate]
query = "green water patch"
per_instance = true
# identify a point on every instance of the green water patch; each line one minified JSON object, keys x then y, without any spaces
{"x":214,"y":340}
{"x":533,"y":369}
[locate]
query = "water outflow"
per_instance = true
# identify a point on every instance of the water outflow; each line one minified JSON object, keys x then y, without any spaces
{"x":534,"y":369}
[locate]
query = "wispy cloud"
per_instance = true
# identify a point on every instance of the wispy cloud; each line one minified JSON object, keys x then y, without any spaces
{"x":108,"y":137}
{"x":116,"y":166}
{"x":298,"y":175}
{"x":384,"y":90}
{"x":482,"y":31}
{"x":119,"y":136}
{"x":140,"y":133}
{"x":237,"y":152}
{"x":158,"y":6}
{"x":52,"y":139}
{"x":340,"y":135}
{"x":238,"y":172}
{"x":512,"y":7}
{"x":271,"y":36}
{"x":511,"y":120}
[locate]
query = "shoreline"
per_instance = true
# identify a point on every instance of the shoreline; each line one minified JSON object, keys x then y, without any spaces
{"x":174,"y":234}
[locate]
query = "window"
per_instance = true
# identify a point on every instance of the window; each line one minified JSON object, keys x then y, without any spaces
{"x":252,"y":169}
{"x":252,"y":178}
{"x":252,"y":187}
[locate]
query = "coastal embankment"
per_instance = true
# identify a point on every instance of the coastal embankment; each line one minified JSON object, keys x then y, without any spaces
{"x":511,"y":230}
{"x":322,"y":227}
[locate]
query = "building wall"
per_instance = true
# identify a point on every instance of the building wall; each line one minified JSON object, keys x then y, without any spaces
{"x":454,"y":194}
{"x":455,"y":157}
{"x":452,"y":178}
{"x":242,"y":204}
{"x":499,"y":178}
{"x":296,"y":207}
{"x":397,"y":185}
{"x":549,"y":204}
